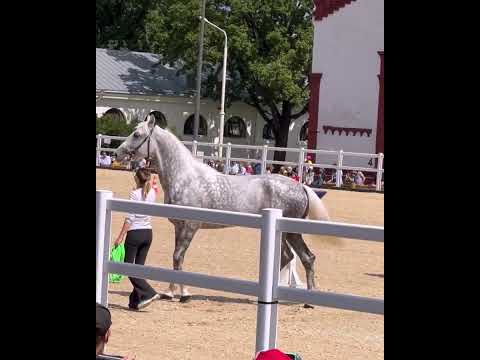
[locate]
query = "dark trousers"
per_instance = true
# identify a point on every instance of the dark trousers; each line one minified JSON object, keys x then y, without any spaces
{"x":137,"y":245}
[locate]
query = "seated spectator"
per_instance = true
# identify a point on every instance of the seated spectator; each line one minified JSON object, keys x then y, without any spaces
{"x":257,"y":168}
{"x":108,"y":160}
{"x":309,"y":176}
{"x":101,"y":158}
{"x":234,"y":169}
{"x":104,"y":321}
{"x":349,"y":179}
{"x":269,"y":169}
{"x":105,"y":160}
{"x":359,"y":178}
{"x":317,"y":180}
{"x":249,"y":170}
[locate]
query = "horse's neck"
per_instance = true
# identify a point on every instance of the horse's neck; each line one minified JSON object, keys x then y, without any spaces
{"x":172,"y":159}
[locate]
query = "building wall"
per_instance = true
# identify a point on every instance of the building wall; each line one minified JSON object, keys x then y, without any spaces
{"x":346,"y":46}
{"x":178,"y":109}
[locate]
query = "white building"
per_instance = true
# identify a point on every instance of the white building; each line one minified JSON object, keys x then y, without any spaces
{"x":346,"y":104}
{"x":134,"y":85}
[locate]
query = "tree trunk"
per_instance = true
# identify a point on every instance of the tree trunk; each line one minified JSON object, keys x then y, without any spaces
{"x":281,"y":140}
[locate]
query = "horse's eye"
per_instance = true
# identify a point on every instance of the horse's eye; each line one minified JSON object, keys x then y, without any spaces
{"x":136,"y":135}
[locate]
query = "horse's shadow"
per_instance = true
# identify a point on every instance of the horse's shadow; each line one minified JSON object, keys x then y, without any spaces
{"x":376,"y":275}
{"x":119,"y":292}
{"x":222,"y":299}
{"x":213,"y":298}
{"x":125,"y":308}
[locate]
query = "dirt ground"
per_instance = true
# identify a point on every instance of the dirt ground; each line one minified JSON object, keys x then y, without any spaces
{"x":216,"y":325}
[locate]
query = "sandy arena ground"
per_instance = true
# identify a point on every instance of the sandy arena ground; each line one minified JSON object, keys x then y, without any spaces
{"x":217,"y":325}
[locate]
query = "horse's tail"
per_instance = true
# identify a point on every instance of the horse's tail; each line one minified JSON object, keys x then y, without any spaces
{"x":318,"y":211}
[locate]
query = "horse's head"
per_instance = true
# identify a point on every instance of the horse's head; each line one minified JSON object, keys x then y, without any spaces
{"x":138,"y":144}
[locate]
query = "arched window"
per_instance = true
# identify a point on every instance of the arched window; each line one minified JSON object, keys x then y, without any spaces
{"x":160,"y":119}
{"x":303,"y":132}
{"x":235,"y":128}
{"x":268,"y":133}
{"x":188,"y":127}
{"x":115,"y":113}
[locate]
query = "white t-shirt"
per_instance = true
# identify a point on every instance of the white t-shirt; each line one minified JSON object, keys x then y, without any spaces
{"x":105,"y":160}
{"x":137,"y":221}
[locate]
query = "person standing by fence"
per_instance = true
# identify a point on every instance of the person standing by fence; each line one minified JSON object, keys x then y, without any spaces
{"x":138,"y":229}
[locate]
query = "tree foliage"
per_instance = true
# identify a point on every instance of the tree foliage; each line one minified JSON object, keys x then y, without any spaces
{"x":113,"y":125}
{"x":120,"y":24}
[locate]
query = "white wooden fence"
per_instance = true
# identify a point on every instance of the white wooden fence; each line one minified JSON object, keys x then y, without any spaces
{"x":302,"y":152}
{"x":271,"y":224}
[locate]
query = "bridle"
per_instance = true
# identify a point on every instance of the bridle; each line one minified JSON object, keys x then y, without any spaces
{"x":147,"y":139}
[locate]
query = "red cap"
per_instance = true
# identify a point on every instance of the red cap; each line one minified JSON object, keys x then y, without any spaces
{"x":272,"y":354}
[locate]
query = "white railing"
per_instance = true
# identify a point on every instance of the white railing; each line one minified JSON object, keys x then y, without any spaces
{"x":267,"y":289}
{"x":340,"y":155}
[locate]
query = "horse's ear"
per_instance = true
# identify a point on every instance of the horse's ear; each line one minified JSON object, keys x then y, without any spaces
{"x":151,"y":121}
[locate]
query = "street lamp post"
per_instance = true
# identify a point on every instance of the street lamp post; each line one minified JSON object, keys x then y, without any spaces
{"x":224,"y":80}
{"x":199,"y":72}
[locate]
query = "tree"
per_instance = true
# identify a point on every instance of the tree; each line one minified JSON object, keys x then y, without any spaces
{"x":270,"y":52}
{"x":121,"y":23}
{"x":110,"y":124}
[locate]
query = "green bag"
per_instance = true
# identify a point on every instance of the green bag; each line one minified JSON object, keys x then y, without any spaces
{"x":117,"y":255}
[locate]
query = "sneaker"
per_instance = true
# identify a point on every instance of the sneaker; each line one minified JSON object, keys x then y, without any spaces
{"x":145,"y":303}
{"x":133,"y":307}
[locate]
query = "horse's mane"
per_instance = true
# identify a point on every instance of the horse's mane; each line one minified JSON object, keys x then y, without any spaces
{"x":181,"y":147}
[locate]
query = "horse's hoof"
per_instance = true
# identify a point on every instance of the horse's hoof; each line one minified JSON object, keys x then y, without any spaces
{"x":185,"y":299}
{"x":307,"y":306}
{"x":165,"y":297}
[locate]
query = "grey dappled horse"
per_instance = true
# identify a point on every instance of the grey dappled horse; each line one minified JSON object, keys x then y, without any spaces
{"x":186,"y":181}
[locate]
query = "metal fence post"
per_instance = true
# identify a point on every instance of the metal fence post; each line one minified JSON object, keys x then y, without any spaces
{"x":379,"y":171}
{"x":268,"y":280}
{"x":339,"y":169}
{"x":103,"y":232}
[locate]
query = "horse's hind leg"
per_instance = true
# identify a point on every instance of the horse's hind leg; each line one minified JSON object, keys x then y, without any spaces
{"x":287,"y":254}
{"x":306,"y":257}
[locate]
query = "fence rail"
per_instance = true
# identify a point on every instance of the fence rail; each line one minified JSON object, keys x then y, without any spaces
{"x":267,"y":289}
{"x":339,"y":167}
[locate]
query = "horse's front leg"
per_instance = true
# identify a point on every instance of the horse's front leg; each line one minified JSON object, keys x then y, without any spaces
{"x":184,"y":233}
